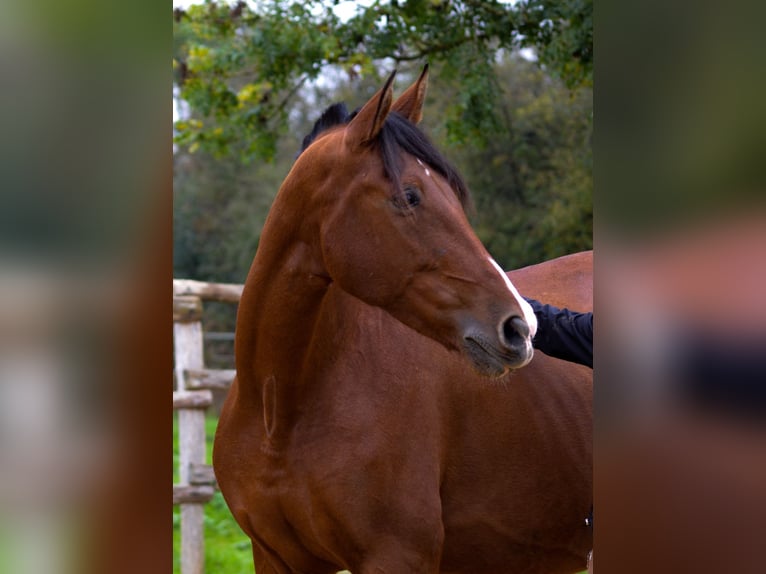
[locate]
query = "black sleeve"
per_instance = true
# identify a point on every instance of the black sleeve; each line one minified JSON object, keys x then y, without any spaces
{"x":721,"y":375}
{"x":564,"y":334}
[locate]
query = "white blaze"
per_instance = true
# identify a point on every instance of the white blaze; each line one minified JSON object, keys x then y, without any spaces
{"x":529,"y":315}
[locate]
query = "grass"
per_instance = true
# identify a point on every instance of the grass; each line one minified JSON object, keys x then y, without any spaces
{"x":227,"y":549}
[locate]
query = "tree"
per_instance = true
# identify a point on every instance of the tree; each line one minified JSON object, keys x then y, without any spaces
{"x":532,"y":183}
{"x":241,"y":66}
{"x":518,"y":132}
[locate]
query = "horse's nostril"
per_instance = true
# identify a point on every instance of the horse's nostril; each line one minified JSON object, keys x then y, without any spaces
{"x":515,"y":331}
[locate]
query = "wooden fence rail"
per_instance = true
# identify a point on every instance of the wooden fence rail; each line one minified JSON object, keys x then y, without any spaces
{"x":192,"y":395}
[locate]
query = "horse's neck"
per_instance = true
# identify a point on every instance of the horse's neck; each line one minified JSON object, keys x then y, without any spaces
{"x":278,"y":310}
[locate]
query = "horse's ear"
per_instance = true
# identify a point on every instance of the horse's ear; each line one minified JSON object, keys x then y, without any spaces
{"x":410,"y":103}
{"x":368,"y":122}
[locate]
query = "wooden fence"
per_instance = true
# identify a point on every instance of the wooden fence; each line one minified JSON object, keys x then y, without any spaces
{"x":192,"y":395}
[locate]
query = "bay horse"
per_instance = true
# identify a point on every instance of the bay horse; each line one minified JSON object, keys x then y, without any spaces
{"x":388,"y":415}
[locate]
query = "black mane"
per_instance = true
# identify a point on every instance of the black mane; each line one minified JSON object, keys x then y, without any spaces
{"x":397,"y":134}
{"x":335,"y":115}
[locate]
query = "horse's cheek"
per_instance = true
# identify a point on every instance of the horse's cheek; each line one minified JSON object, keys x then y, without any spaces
{"x":352,"y":256}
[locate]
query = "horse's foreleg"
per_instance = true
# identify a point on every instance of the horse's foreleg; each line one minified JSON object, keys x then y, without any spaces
{"x":268,"y":563}
{"x":403,"y":557}
{"x":399,"y":564}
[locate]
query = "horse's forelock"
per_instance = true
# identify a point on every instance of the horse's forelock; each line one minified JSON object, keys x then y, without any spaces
{"x":397,"y":134}
{"x":400,"y":134}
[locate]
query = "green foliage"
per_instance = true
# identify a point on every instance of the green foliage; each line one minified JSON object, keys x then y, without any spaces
{"x":532,"y":182}
{"x":219,"y":210}
{"x":518,"y":130}
{"x":561,"y":32}
{"x":240,"y":67}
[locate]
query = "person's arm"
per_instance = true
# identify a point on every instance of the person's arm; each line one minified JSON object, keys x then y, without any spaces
{"x":563,"y":334}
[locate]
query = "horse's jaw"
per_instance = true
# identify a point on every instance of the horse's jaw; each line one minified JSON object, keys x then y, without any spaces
{"x":489,"y":360}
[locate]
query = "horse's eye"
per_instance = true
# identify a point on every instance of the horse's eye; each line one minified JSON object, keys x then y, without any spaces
{"x":411,"y":198}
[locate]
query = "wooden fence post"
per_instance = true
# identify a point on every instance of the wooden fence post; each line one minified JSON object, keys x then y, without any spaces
{"x":189,"y":354}
{"x":193,"y":394}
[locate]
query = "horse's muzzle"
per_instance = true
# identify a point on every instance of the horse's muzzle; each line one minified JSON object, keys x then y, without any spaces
{"x":515,"y":332}
{"x":494,"y":357}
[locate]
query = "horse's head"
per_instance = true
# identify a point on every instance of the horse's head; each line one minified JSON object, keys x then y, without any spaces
{"x":393,"y":231}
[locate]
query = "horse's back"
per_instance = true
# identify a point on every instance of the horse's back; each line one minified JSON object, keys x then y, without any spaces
{"x":566,"y":281}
